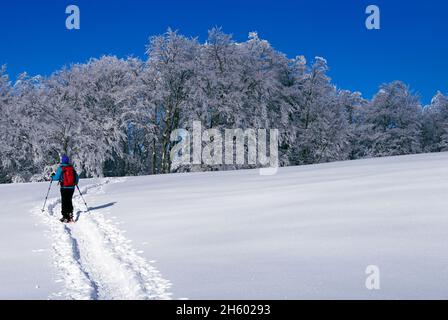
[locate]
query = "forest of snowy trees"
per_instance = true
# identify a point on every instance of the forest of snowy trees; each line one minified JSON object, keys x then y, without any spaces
{"x":114,"y":117}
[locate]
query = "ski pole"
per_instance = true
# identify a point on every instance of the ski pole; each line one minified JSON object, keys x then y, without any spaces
{"x":85,"y":203}
{"x":48,"y":192}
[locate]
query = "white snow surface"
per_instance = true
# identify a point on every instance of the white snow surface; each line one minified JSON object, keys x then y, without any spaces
{"x":306,"y":232}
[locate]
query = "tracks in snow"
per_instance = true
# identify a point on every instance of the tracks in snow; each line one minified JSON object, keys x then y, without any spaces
{"x":95,"y":260}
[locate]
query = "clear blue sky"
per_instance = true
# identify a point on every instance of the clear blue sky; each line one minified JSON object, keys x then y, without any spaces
{"x":412,"y":44}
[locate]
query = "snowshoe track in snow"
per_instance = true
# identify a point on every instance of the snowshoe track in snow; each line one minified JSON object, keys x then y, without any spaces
{"x":94,"y":259}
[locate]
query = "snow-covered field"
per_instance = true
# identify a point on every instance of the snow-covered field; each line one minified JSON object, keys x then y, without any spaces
{"x":307,"y":232}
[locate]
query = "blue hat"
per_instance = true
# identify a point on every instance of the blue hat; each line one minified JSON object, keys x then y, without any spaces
{"x":65,"y":159}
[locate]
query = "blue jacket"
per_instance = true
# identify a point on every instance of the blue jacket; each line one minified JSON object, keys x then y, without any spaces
{"x":58,"y":175}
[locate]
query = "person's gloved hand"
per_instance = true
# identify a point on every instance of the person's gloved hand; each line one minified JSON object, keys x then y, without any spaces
{"x":53,"y":174}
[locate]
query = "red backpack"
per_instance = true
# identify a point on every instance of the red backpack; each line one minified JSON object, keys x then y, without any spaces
{"x":68,"y":176}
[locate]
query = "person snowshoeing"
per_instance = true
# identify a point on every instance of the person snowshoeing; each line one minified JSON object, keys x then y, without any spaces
{"x":68,"y":180}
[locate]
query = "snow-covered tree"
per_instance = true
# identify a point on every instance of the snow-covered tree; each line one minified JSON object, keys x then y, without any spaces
{"x":393,"y":122}
{"x":171,"y":66}
{"x":319,"y":118}
{"x":85,"y":106}
{"x":6,"y":147}
{"x":240,"y":85}
{"x":353,"y":104}
{"x":435,"y":124}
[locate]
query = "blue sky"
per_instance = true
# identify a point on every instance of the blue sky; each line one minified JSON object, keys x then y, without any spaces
{"x":412,"y":44}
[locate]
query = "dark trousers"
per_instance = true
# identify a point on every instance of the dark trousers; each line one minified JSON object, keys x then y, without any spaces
{"x":67,"y":205}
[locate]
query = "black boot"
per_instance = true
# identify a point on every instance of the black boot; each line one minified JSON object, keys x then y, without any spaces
{"x":65,"y":217}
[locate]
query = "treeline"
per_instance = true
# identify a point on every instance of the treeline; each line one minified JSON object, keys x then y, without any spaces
{"x":114,"y":117}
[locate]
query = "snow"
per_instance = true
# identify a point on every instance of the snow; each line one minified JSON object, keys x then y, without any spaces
{"x":25,"y":251}
{"x":306,"y":232}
